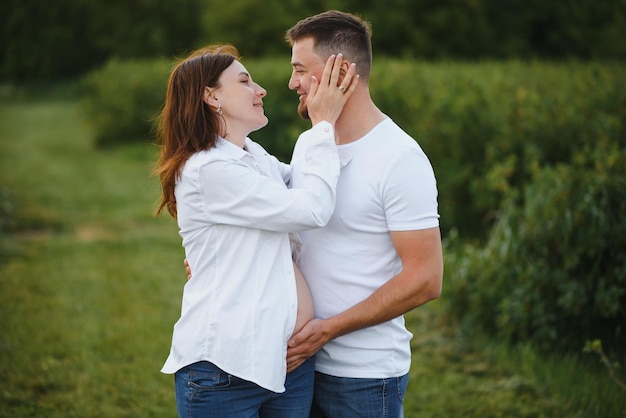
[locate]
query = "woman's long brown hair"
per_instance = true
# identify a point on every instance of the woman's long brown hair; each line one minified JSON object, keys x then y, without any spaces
{"x":187,"y":124}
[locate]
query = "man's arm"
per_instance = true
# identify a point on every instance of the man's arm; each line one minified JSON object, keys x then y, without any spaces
{"x":419,"y":282}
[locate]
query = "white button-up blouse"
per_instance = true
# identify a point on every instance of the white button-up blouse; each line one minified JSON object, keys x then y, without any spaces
{"x":234,"y":213}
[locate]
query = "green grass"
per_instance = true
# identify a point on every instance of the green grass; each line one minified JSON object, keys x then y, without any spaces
{"x":90,"y":286}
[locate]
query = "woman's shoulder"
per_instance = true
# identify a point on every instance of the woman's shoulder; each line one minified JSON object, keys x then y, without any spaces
{"x":201,"y":159}
{"x":222,"y":150}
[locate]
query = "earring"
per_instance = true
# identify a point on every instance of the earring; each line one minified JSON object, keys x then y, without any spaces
{"x":219,"y":109}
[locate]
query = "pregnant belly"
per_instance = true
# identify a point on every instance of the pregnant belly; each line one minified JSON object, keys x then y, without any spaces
{"x":305,"y":302}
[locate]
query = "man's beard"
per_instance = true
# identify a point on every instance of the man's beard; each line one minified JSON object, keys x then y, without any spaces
{"x":303,"y":111}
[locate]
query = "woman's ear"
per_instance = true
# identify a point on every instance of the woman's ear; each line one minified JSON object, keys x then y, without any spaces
{"x":208,"y":97}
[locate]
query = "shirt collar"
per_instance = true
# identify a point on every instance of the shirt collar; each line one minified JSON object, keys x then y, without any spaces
{"x":231,"y":149}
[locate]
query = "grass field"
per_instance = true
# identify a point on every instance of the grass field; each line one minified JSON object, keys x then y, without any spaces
{"x":90,"y":286}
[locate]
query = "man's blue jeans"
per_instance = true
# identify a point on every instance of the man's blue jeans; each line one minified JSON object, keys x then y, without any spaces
{"x":343,"y":397}
{"x":204,"y":390}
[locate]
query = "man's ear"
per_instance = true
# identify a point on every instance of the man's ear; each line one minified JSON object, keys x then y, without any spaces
{"x":345,"y":66}
{"x":208,"y":97}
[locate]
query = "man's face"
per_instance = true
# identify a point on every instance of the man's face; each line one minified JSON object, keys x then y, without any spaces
{"x":305,"y":64}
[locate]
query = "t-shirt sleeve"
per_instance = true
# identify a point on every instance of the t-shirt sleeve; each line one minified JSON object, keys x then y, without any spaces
{"x":410,"y":193}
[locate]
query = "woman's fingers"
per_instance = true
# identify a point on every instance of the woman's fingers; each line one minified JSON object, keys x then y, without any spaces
{"x":328,"y":70}
{"x":331,"y":76}
{"x":328,"y":95}
{"x":350,"y":80}
{"x":314,"y":86}
{"x":336,"y":71}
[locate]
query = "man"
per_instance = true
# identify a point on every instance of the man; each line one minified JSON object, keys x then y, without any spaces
{"x":380,"y":255}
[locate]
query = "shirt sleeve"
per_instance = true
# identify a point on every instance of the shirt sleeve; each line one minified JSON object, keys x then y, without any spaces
{"x":281,"y":169}
{"x":284,"y":170}
{"x":410,"y":193}
{"x":235,"y":194}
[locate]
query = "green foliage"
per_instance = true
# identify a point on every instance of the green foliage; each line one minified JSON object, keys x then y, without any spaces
{"x":438,"y":29}
{"x":237,"y":22}
{"x":146,"y":29}
{"x":595,"y":346}
{"x":43,"y":40}
{"x":554,"y":269}
{"x":123,"y":98}
{"x":487,"y":126}
{"x":46,"y":40}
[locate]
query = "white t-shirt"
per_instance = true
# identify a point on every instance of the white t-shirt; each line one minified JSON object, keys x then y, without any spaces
{"x":386,"y":184}
{"x":234,"y":213}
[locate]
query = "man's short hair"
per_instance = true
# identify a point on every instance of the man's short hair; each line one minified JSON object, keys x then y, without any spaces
{"x":336,"y":32}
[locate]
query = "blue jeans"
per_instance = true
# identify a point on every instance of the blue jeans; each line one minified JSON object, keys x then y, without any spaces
{"x":343,"y":397}
{"x":204,"y":390}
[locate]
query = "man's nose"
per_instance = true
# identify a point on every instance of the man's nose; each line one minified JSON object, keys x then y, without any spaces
{"x":292,"y":83}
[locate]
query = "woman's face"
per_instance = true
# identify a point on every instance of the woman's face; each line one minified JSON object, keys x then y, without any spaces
{"x":241,"y":101}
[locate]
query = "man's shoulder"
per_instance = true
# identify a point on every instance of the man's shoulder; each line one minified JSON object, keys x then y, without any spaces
{"x":390,"y":141}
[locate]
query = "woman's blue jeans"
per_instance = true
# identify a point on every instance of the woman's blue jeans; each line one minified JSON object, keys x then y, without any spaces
{"x":204,"y":390}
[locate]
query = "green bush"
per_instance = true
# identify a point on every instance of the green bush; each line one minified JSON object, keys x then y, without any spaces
{"x":123,"y":98}
{"x":75,"y":36}
{"x":485,"y":126}
{"x":64,"y":39}
{"x":554,"y":268}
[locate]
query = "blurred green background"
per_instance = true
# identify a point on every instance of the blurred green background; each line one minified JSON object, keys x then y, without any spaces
{"x":520,"y":105}
{"x":47,"y":40}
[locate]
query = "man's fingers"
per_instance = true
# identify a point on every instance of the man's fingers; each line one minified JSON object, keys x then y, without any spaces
{"x":292,"y":365}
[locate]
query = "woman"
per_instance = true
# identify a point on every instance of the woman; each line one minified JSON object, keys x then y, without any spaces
{"x":235,"y":213}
